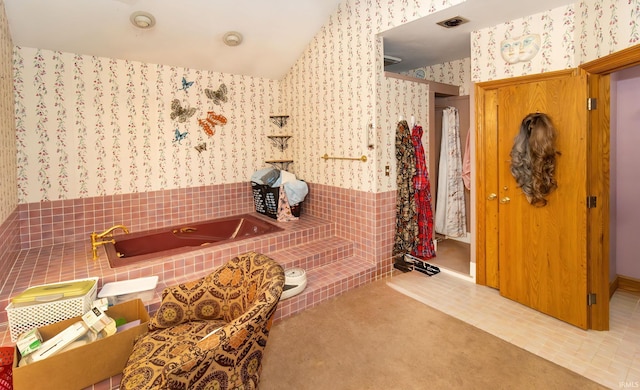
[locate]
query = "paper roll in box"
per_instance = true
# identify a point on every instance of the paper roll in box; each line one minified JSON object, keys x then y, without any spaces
{"x":49,"y":303}
{"x":118,"y":292}
{"x":86,"y":365}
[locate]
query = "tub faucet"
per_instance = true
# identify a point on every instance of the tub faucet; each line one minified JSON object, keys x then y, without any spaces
{"x":99,"y":236}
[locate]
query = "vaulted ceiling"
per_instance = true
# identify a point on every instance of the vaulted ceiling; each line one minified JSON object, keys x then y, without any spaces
{"x":187,"y":33}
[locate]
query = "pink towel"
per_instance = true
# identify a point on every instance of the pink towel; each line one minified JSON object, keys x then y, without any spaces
{"x":284,"y":211}
{"x":466,"y":162}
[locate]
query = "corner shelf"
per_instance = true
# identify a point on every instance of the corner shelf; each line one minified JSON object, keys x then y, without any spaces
{"x":280,"y":141}
{"x":279,"y":120}
{"x":280,"y":164}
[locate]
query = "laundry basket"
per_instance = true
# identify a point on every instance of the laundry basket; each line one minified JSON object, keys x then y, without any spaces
{"x":266,"y":199}
{"x":6,"y":368}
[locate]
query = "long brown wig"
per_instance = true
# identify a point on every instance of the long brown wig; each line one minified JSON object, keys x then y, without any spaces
{"x":533,"y":158}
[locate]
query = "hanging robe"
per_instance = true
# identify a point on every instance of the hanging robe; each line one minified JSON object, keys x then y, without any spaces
{"x":424,"y":248}
{"x":406,"y":235}
{"x":450,"y":208}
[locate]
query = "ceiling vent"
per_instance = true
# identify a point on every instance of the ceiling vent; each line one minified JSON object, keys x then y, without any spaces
{"x":453,"y":22}
{"x":389,"y":60}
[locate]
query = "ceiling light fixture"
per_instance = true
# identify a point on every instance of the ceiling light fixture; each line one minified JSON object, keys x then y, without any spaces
{"x":143,"y":20}
{"x":232,"y":38}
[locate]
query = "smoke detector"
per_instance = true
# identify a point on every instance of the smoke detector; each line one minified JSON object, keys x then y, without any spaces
{"x":143,"y":20}
{"x":453,"y":22}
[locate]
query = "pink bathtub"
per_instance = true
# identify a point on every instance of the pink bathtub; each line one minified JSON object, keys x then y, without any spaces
{"x":140,"y":246}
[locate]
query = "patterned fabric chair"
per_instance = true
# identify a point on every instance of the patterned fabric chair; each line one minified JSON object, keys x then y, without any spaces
{"x":210,"y":333}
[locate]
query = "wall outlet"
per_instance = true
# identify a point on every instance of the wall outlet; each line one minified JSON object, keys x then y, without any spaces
{"x":387,"y":170}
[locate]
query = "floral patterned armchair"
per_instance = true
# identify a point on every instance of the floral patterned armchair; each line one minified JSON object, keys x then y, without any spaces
{"x":210,"y":333}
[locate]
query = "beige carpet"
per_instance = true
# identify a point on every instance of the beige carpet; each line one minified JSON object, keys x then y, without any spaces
{"x":374,"y":337}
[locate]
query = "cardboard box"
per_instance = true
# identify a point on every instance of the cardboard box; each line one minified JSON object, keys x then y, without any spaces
{"x":83,"y":366}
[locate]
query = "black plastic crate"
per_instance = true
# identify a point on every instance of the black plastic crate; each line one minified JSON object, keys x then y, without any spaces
{"x":265,"y":198}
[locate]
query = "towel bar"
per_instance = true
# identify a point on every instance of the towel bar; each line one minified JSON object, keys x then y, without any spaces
{"x":326,"y":157}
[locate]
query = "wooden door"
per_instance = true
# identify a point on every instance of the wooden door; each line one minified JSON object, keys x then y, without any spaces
{"x":542,"y":256}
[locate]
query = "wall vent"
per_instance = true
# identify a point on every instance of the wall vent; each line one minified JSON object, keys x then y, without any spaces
{"x":453,"y":22}
{"x":389,"y":60}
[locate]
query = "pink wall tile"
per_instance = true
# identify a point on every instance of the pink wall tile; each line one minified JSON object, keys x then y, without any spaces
{"x":56,"y":222}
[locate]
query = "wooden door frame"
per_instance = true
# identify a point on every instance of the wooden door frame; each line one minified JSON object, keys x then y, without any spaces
{"x":600,"y":135}
{"x":598,"y":229}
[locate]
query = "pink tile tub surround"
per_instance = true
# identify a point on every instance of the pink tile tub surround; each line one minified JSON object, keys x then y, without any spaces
{"x":365,"y":218}
{"x":61,"y":221}
{"x":9,"y":246}
{"x":54,"y":240}
{"x":68,"y":261}
{"x":55,"y":235}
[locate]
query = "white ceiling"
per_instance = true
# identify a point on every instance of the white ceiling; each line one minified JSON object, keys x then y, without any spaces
{"x":189,"y":33}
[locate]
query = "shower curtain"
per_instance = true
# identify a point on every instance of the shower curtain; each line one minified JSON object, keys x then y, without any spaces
{"x":406,"y":235}
{"x":450,"y":209}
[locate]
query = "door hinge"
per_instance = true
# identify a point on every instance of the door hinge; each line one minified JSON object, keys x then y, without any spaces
{"x":591,"y":299}
{"x":592,"y":202}
{"x":592,"y":103}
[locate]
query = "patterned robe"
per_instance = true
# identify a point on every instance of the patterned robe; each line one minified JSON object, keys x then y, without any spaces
{"x":406,"y":237}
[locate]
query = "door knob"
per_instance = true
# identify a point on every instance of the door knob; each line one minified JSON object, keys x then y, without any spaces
{"x":492,"y":196}
{"x":506,"y":199}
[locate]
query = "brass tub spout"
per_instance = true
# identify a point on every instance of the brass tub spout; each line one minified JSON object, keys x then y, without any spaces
{"x":107,"y":233}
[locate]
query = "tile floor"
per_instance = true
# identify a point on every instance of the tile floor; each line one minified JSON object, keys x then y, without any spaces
{"x":611,"y":358}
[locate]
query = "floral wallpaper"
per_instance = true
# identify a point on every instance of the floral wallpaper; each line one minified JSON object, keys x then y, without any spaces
{"x":456,"y":72}
{"x":337,"y":89}
{"x":404,"y":99}
{"x":569,"y":36}
{"x":8,"y":184}
{"x":90,"y":126}
{"x":557,"y":45}
{"x":606,"y":26}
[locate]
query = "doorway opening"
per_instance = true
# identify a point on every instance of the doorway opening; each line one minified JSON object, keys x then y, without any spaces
{"x":452,"y":253}
{"x":624,"y":271}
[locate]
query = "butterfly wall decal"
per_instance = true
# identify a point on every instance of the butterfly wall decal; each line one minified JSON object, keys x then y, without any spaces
{"x":186,"y":84}
{"x":201,"y":147}
{"x":219,"y":96}
{"x":180,"y":113}
{"x":209,"y":123}
{"x":178,"y":137}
